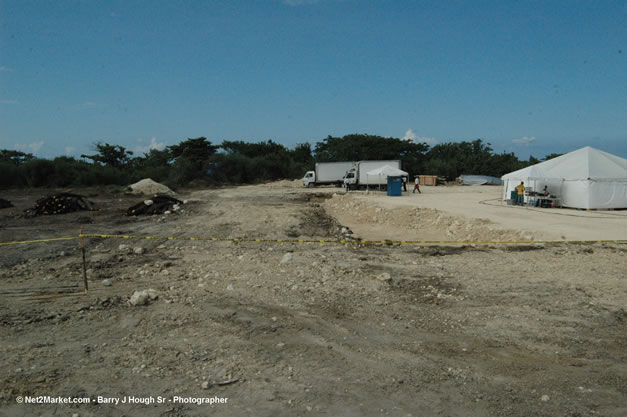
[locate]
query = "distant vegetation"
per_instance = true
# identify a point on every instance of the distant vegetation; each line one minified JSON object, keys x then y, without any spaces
{"x":237,"y":162}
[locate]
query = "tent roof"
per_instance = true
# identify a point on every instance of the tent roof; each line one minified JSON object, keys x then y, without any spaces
{"x":533,"y":171}
{"x":387,"y":171}
{"x":584,"y":163}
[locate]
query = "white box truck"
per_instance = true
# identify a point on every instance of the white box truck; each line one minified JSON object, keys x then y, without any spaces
{"x":327,"y":173}
{"x":357,"y":176}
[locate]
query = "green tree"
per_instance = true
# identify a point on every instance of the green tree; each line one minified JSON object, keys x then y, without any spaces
{"x":533,"y":160}
{"x":15,"y":157}
{"x":253,"y":149}
{"x":552,"y":155}
{"x":198,"y":149}
{"x":501,"y":164}
{"x":191,"y":157}
{"x":259,"y":161}
{"x":110,"y":155}
{"x":155,"y":164}
{"x":453,"y":159}
{"x":302,"y":154}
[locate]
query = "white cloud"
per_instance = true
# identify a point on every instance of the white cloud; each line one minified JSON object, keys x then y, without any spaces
{"x":69,"y":150}
{"x":152,"y":145}
{"x":8,"y":101}
{"x":30,"y":148}
{"x":524,"y":139}
{"x":410,"y":135}
{"x":5,"y":68}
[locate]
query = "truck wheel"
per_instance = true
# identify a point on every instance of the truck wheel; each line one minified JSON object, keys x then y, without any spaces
{"x":310,"y":185}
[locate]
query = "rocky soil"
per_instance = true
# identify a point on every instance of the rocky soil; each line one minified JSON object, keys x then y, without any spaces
{"x":305,"y":329}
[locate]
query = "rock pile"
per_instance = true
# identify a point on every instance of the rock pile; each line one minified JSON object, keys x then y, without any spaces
{"x":5,"y":203}
{"x":59,"y":204}
{"x":159,"y":204}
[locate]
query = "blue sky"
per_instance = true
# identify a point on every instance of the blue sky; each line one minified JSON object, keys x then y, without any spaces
{"x":528,"y":77}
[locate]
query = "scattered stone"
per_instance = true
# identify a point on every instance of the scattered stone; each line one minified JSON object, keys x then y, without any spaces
{"x":229,"y":381}
{"x":140,"y":298}
{"x":107,"y":282}
{"x":206,"y":385}
{"x":280,"y":345}
{"x":230,"y":287}
{"x":545,"y":398}
{"x":159,"y":204}
{"x":287,"y":258}
{"x":385,"y":277}
{"x":139,"y":250}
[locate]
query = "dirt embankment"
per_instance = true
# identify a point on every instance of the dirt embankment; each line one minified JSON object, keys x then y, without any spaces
{"x":371,"y":221}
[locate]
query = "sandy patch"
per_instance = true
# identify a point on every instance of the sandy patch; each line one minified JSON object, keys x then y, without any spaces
{"x":462,"y":212}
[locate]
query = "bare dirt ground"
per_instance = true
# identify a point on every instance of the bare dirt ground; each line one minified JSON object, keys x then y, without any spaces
{"x":311,"y":329}
{"x":443,"y":212}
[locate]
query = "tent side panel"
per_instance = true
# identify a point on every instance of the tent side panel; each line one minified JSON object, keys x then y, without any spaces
{"x":608,"y":194}
{"x":575,"y":194}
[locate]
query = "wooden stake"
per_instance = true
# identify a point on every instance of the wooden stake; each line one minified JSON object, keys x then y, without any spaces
{"x":84,"y":262}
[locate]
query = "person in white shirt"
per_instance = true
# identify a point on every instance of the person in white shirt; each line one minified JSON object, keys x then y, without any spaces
{"x":417,"y":186}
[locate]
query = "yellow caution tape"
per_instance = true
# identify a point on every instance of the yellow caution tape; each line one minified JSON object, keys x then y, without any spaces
{"x":323,"y":241}
{"x":362,"y":242}
{"x":23,"y":242}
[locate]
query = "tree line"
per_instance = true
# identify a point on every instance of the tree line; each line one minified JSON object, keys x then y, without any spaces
{"x":199,"y":161}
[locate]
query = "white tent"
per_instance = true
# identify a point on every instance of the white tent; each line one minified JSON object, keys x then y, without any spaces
{"x":586,"y":178}
{"x":387,"y":171}
{"x":384,"y":172}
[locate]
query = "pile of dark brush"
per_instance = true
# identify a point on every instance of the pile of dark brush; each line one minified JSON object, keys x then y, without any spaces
{"x":59,"y":204}
{"x":158,"y":204}
{"x":5,"y":203}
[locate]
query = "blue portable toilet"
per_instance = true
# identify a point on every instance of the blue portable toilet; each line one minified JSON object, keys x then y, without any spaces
{"x":395,"y":186}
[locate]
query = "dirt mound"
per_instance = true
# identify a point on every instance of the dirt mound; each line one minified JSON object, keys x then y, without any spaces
{"x":284,"y":183}
{"x":5,"y":203}
{"x":150,"y":187}
{"x":59,"y":204}
{"x":422,"y":223}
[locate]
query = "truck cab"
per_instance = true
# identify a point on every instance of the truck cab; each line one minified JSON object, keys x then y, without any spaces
{"x":309,"y":180}
{"x":350,"y":179}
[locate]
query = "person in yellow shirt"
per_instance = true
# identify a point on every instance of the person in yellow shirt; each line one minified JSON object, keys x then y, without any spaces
{"x":520,"y":191}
